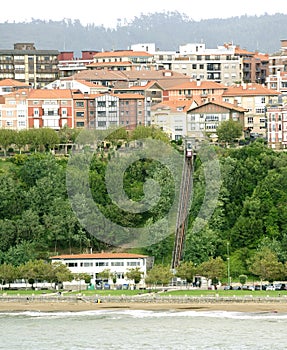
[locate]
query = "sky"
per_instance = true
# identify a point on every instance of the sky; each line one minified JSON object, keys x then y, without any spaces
{"x":108,"y":12}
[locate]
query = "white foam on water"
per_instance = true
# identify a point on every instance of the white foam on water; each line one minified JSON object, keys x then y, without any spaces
{"x":149,"y":313}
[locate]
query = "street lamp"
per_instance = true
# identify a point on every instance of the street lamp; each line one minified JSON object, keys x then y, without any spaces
{"x":228,"y":265}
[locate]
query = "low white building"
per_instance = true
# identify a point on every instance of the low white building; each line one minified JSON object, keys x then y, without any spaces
{"x":118,"y":265}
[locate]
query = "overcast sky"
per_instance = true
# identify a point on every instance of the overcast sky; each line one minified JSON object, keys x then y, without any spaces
{"x":107,"y":12}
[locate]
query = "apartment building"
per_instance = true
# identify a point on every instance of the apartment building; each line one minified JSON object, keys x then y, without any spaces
{"x":225,"y":64}
{"x":203,"y":91}
{"x":123,"y":60}
{"x":69,"y":65}
{"x":277,"y":125}
{"x":152,"y":91}
{"x":50,"y":108}
{"x":277,"y":79}
{"x":28,"y":65}
{"x":171,"y":117}
{"x":106,"y":110}
{"x":278,"y":60}
{"x":254,"y":98}
{"x":118,"y":265}
{"x":204,"y":119}
{"x":14,"y":110}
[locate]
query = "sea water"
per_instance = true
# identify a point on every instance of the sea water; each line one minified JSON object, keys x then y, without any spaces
{"x":135,"y":329}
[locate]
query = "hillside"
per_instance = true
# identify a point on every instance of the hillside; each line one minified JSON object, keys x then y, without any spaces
{"x":166,"y":30}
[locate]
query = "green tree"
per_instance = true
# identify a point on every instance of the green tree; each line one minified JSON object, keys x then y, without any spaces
{"x":21,"y":139}
{"x":214,"y":269}
{"x":8,"y":273}
{"x":60,"y":273}
{"x":228,"y":131}
{"x":266,"y":266}
{"x":7,"y":138}
{"x":159,"y":275}
{"x":186,"y":270}
{"x":134,"y":274}
{"x":242,"y":279}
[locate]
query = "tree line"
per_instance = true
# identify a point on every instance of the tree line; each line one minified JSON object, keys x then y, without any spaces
{"x":167,"y":30}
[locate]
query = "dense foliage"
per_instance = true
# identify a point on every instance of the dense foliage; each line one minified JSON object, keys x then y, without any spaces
{"x":250,"y":216}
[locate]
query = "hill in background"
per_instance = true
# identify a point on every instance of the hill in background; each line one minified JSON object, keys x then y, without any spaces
{"x":167,"y":30}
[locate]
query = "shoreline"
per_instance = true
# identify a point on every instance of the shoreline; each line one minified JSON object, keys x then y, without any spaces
{"x":278,"y":305}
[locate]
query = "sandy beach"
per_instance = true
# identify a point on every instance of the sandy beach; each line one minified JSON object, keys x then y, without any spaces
{"x":64,"y":306}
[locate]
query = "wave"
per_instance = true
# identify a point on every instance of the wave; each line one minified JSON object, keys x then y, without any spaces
{"x":112,"y":314}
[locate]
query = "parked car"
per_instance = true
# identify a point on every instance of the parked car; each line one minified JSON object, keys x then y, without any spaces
{"x":236,"y":288}
{"x":280,"y":286}
{"x":228,"y":288}
{"x":270,"y":287}
{"x":260,"y":287}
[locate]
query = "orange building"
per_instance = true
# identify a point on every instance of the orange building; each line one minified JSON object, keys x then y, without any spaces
{"x":50,"y":108}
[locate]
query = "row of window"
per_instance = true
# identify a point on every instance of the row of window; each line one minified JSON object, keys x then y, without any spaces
{"x":103,"y":263}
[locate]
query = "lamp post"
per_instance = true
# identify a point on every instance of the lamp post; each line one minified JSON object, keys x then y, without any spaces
{"x":228,"y":265}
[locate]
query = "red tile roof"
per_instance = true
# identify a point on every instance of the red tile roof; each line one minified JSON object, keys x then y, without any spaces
{"x":50,"y":94}
{"x":129,"y":96}
{"x":99,"y":256}
{"x":250,"y":89}
{"x":174,"y":105}
{"x":12,"y":82}
{"x":227,"y":105}
{"x":194,"y":85}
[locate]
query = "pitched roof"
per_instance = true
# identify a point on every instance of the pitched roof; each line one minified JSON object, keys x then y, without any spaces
{"x":173,"y":105}
{"x":99,"y":256}
{"x":98,"y":74}
{"x":129,"y":96}
{"x":227,"y":105}
{"x":250,"y":89}
{"x":239,"y":51}
{"x":50,"y":94}
{"x":12,"y":82}
{"x":140,"y":87}
{"x":194,"y":85}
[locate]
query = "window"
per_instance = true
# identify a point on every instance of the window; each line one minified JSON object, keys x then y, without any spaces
{"x":201,"y":66}
{"x":210,"y":118}
{"x":9,"y":123}
{"x":133,"y":263}
{"x":80,"y":124}
{"x":101,"y":103}
{"x":194,"y":66}
{"x":250,"y":120}
{"x":117,"y":263}
{"x":101,"y":263}
{"x":79,"y":103}
{"x":260,"y":110}
{"x":101,"y":124}
{"x":79,"y":114}
{"x":86,"y":264}
{"x":72,"y":264}
{"x":22,"y":123}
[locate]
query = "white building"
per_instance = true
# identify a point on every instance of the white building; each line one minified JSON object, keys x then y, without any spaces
{"x":117,"y":263}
